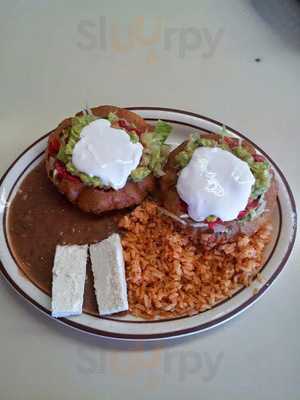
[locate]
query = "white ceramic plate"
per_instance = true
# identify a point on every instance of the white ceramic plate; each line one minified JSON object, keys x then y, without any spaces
{"x":130,"y":328}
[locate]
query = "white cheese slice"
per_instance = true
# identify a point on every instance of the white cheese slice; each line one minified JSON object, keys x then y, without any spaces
{"x":109,"y":275}
{"x":69,"y":273}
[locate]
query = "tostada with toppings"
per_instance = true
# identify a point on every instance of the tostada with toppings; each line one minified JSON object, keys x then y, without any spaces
{"x":106,"y":158}
{"x":220,"y":185}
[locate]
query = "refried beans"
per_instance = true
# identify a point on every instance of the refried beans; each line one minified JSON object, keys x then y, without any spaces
{"x":39,"y":218}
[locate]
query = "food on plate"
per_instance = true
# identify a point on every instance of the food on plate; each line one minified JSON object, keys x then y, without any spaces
{"x":109,"y":275}
{"x":219,"y":185}
{"x":107,"y":158}
{"x":194,"y":243}
{"x":69,"y":273}
{"x":170,"y":275}
{"x":40,"y":218}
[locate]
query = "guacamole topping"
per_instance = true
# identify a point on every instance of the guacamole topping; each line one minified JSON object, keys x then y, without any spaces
{"x":154,"y":156}
{"x":260,"y":169}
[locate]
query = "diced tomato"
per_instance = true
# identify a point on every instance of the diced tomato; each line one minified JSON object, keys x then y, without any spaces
{"x":258,"y":158}
{"x":54,"y":146}
{"x":60,"y":169}
{"x":232,"y":142}
{"x":212,"y":224}
{"x":252,"y":204}
{"x":137,"y":131}
{"x":243,"y":214}
{"x":62,"y":173}
{"x":125,"y":125}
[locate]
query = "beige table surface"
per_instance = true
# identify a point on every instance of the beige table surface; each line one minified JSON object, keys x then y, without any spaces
{"x":53,"y":61}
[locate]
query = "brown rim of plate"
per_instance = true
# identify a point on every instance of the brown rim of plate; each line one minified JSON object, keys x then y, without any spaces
{"x":199,"y":328}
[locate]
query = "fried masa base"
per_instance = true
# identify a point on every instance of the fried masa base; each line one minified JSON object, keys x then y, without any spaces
{"x":172,"y":202}
{"x":95,"y":200}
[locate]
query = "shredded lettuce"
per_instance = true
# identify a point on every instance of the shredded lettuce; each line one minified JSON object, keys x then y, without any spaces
{"x":145,"y":158}
{"x":62,"y":156}
{"x":162,"y":131}
{"x":192,"y":144}
{"x":243,"y":154}
{"x":260,"y":170}
{"x":224,"y":146}
{"x":66,"y":151}
{"x":112,"y":117}
{"x":154,"y":155}
{"x":157,"y":159}
{"x":158,"y":136}
{"x":207,"y":142}
{"x":155,"y":150}
{"x":140,"y":173}
{"x":184,"y":157}
{"x":262,"y":178}
{"x":89,"y":180}
{"x":78,"y":123}
{"x":134,"y":138}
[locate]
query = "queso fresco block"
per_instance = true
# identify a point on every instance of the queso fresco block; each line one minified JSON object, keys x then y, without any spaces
{"x":69,"y":273}
{"x":109,"y":275}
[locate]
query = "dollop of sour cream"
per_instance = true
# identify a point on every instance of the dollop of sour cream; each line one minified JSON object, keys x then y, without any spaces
{"x":106,"y":153}
{"x":215,"y":182}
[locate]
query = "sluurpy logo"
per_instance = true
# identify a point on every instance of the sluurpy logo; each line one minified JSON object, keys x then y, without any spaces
{"x":103,"y":34}
{"x":158,"y":364}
